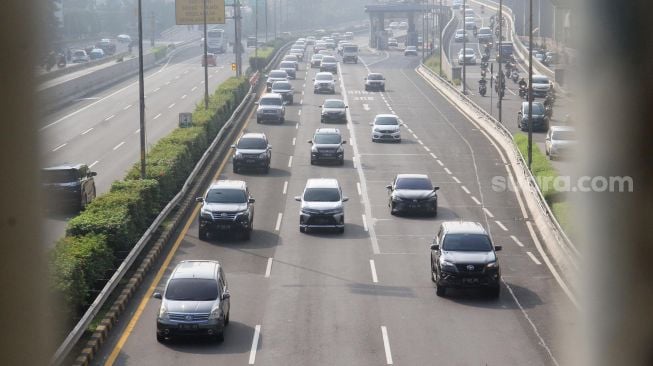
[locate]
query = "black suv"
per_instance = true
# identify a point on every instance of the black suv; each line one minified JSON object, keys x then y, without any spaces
{"x":69,"y":185}
{"x":327,"y":146}
{"x":333,"y":110}
{"x":540,"y":120}
{"x":462,"y":256}
{"x":252,"y":151}
{"x":226,"y":207}
{"x":413,"y":192}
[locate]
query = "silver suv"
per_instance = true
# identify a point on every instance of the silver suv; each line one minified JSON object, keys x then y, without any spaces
{"x":196,"y":301}
{"x":271,"y":108}
{"x":322,"y":205}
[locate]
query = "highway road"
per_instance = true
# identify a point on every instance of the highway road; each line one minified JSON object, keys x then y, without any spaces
{"x":102,"y":130}
{"x":364,"y":297}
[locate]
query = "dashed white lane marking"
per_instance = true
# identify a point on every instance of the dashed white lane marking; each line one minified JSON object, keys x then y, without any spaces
{"x":184,"y":96}
{"x":297,"y":126}
{"x":426,"y":148}
{"x":534,"y":258}
{"x":278,"y":224}
{"x":441,"y":163}
{"x":157,"y":116}
{"x":375,"y":279}
{"x":420,"y":142}
{"x":252,"y":352}
{"x":94,"y":163}
{"x":59,"y":147}
{"x":358,"y":188}
{"x":386,"y":345}
{"x":503,"y":227}
{"x":137,"y":131}
{"x":87,"y":131}
{"x":364,"y":223}
{"x":476,"y":200}
{"x":127,"y":107}
{"x":268,"y":268}
{"x":447,"y":171}
{"x":366,"y":107}
{"x":299,"y":112}
{"x":433,"y":156}
{"x":465,"y":189}
{"x":210,"y":76}
{"x":514,"y":238}
{"x":456,"y":180}
{"x":171,"y":105}
{"x":290,"y":162}
{"x":353,"y":161}
{"x":109,"y":118}
{"x":194,"y":88}
{"x":301,"y":101}
{"x":118,"y":146}
{"x":285,"y":187}
{"x":303,"y":91}
{"x":168,"y":82}
{"x":294,"y":141}
{"x":415,"y":136}
{"x":202,"y":82}
{"x":177,"y":77}
{"x":487,"y":212}
{"x":156,"y":90}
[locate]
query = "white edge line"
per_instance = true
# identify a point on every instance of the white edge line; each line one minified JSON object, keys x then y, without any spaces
{"x":252,"y":352}
{"x":375,"y":279}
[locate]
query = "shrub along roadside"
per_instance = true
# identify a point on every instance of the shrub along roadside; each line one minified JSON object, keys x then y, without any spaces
{"x":544,"y":172}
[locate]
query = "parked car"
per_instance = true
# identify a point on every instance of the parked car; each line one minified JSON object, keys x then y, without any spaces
{"x":560,"y":141}
{"x":196,"y":301}
{"x":270,"y":108}
{"x":463,"y":256}
{"x":386,"y":127}
{"x":322,"y":206}
{"x":284,"y":88}
{"x":333,"y":110}
{"x":324,"y":82}
{"x":412,"y":193}
{"x":226,"y":207}
{"x":540,"y":120}
{"x":375,"y":81}
{"x":252,"y":151}
{"x":69,"y":186}
{"x":327,"y":146}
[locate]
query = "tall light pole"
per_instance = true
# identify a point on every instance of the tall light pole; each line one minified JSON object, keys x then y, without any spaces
{"x":266,"y":21}
{"x":501,"y":83}
{"x":141,"y":87}
{"x":440,"y":29}
{"x":530,"y":85}
{"x":206,"y":63}
{"x":256,"y":33}
{"x":464,"y":46}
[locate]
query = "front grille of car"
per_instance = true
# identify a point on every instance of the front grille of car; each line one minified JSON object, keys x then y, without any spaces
{"x":319,"y":219}
{"x":224,"y":215}
{"x":250,"y":156}
{"x":386,"y":131}
{"x":327,"y":150}
{"x":462,"y":267}
{"x":324,"y":85}
{"x":182,"y":317}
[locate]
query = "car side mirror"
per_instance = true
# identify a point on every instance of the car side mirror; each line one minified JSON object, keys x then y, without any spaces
{"x":497,"y":248}
{"x":371,"y":124}
{"x":226,"y":295}
{"x":389,"y":186}
{"x":233,"y":146}
{"x":157,"y":295}
{"x":435,"y":189}
{"x":92,"y":174}
{"x":251,"y":200}
{"x":199,"y":199}
{"x":345,"y":199}
{"x":344,"y":142}
{"x":435,"y":247}
{"x":310,"y":141}
{"x":298,"y":199}
{"x":346,"y":106}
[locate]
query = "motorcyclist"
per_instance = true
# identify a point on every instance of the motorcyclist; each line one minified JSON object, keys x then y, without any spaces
{"x":522,"y":83}
{"x":482,"y":86}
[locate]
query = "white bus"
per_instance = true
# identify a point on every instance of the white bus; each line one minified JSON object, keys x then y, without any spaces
{"x":215,"y":40}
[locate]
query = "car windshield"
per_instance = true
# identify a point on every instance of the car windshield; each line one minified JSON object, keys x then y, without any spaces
{"x":374,"y":77}
{"x":192,"y":289}
{"x":564,"y":135}
{"x":287,"y":65}
{"x":327,"y":138}
{"x":411,"y":48}
{"x":386,"y":121}
{"x":321,"y":195}
{"x":538,"y":108}
{"x":329,"y":59}
{"x":252,"y":143}
{"x":281,"y":86}
{"x":485,"y":31}
{"x":350,"y":48}
{"x":540,"y":80}
{"x":324,"y":77}
{"x":467,"y":243}
{"x":414,"y":183}
{"x":226,"y":195}
{"x":59,"y":176}
{"x":271,"y":101}
{"x":318,"y":56}
{"x":460,"y":32}
{"x":278,"y":74}
{"x":334,"y":104}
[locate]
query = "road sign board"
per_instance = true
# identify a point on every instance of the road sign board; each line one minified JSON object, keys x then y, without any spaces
{"x":192,"y":12}
{"x":185,"y":119}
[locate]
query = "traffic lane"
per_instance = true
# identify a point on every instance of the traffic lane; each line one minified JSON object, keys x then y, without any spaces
{"x":506,"y":212}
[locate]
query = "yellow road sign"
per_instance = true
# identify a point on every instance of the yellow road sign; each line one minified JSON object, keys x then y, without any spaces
{"x":233,"y":67}
{"x":192,"y":12}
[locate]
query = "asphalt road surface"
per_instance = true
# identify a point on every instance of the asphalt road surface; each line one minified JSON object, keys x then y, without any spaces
{"x":363,"y":297}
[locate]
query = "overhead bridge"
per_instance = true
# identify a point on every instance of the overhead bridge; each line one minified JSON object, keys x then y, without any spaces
{"x":380,"y":12}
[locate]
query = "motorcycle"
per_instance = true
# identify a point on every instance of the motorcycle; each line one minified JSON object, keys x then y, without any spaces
{"x":523,"y":91}
{"x":483,"y":73}
{"x":61,"y":63}
{"x":548,"y":110}
{"x":514,"y":75}
{"x":482,"y":87}
{"x":484,"y":65}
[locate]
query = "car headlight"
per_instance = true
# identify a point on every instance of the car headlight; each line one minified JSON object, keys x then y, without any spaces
{"x":216,"y":313}
{"x":314,"y":149}
{"x":262,"y":155}
{"x":340,"y":149}
{"x":447,"y":266}
{"x":205,"y":214}
{"x":243,"y":215}
{"x":397,"y":198}
{"x":163,"y":312}
{"x":494,"y":264}
{"x":238,"y":154}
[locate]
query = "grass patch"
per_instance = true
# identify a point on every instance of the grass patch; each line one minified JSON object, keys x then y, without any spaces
{"x":433,"y":63}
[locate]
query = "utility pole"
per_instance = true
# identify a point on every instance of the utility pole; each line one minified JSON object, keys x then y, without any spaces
{"x":237,"y":41}
{"x":266,"y":21}
{"x":256,"y":34}
{"x":501,"y":84}
{"x":530,"y":84}
{"x":464,"y":47}
{"x":440,"y":29}
{"x":206,"y":64}
{"x":141,"y":87}
{"x":153,"y":26}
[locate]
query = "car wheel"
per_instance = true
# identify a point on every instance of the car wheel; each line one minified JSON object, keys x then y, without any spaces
{"x":433,"y":279}
{"x":202,"y":234}
{"x":247,"y":234}
{"x":440,"y":290}
{"x":341,"y":230}
{"x":235,"y":169}
{"x":258,"y":121}
{"x":383,"y":89}
{"x":367,"y":89}
{"x":226,"y":319}
{"x":302,"y":229}
{"x":393,"y":211}
{"x":266,"y":170}
{"x":342,"y":161}
{"x":160,"y":338}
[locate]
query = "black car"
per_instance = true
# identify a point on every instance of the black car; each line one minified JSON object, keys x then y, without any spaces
{"x":374,"y":81}
{"x":463,"y":256}
{"x":69,"y":185}
{"x":327,"y":146}
{"x":226,"y":207}
{"x":413,"y":193}
{"x":252,"y":151}
{"x":333,"y":110}
{"x":540,"y":120}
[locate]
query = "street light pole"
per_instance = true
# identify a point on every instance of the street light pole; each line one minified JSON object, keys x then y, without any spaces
{"x":530,"y":85}
{"x":206,"y":64}
{"x":464,"y":46}
{"x":256,"y":33}
{"x":501,"y":83}
{"x":440,"y":29}
{"x":141,"y":87}
{"x":266,"y":21}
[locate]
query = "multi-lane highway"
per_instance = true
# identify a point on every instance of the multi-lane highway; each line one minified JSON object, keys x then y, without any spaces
{"x":364,"y":297}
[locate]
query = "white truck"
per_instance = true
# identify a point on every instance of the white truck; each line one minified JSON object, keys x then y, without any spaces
{"x":350,"y":53}
{"x":215,"y":41}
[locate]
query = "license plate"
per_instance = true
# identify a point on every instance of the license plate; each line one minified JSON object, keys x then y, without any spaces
{"x":327,"y":154}
{"x":414,"y":205}
{"x":224,"y":227}
{"x":250,"y":160}
{"x":470,"y":281}
{"x":387,"y":136}
{"x":187,"y":326}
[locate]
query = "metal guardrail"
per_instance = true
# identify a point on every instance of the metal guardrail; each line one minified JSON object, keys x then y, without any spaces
{"x":81,"y":326}
{"x":544,"y":206}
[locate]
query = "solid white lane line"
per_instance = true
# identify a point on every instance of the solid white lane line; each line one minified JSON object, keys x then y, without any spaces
{"x":94,"y":163}
{"x":278,"y":224}
{"x":514,"y":238}
{"x":183,"y":96}
{"x":476,"y":200}
{"x":386,"y":345}
{"x":441,"y":163}
{"x":294,"y":140}
{"x":285,"y":187}
{"x":487,"y":212}
{"x":127,"y":107}
{"x":87,"y":131}
{"x":503,"y":227}
{"x":447,"y":171}
{"x":465,"y":189}
{"x":426,"y":148}
{"x":364,"y":223}
{"x":157,"y":116}
{"x":375,"y":279}
{"x":59,"y":147}
{"x":534,"y":258}
{"x":109,"y":118}
{"x":358,"y":188}
{"x":118,"y":146}
{"x":433,"y":156}
{"x":456,"y":180}
{"x":268,"y":269}
{"x":194,"y":88}
{"x":171,"y":105}
{"x":290,"y":162}
{"x":252,"y":352}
